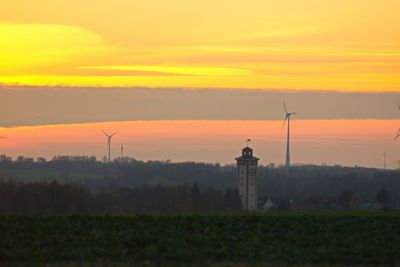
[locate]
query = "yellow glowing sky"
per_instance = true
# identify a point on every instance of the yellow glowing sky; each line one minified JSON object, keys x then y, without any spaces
{"x":289,"y":44}
{"x":300,"y":45}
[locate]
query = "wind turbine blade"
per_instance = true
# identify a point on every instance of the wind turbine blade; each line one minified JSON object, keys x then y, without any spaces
{"x":284,"y":106}
{"x":2,"y":137}
{"x":114,"y":133}
{"x":397,"y":135}
{"x":285,"y":120}
{"x":105,"y":133}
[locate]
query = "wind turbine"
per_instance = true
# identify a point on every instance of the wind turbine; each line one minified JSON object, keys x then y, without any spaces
{"x":398,"y":131}
{"x":109,"y":136}
{"x":385,"y":156}
{"x":287,"y":118}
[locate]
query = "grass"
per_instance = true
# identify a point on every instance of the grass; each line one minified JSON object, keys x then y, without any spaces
{"x":301,"y":239}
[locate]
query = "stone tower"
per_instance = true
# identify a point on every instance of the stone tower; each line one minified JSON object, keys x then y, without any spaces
{"x":247,"y":182}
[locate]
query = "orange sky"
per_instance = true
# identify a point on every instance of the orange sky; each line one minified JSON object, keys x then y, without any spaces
{"x":347,"y":142}
{"x":290,"y":44}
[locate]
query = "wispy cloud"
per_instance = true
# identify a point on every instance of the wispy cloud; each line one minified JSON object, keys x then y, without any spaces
{"x":272,"y":36}
{"x":177,"y":70}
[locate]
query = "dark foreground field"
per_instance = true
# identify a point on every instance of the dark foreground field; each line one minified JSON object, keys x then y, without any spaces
{"x":216,"y":240}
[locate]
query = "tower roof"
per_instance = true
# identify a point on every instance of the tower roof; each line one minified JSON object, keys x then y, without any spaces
{"x":247,"y":154}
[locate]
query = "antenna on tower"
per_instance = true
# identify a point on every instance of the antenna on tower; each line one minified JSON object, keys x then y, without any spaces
{"x":287,"y":118}
{"x":248,"y":141}
{"x":109,"y":136}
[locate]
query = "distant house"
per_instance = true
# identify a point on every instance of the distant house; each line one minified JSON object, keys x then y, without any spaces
{"x":264,"y":204}
{"x":383,"y":200}
{"x":355,"y":202}
{"x":349,"y":200}
{"x":275,"y":203}
{"x":367,"y":205}
{"x":320,"y":203}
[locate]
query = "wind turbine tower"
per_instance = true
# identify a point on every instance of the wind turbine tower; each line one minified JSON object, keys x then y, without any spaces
{"x":122,"y":151}
{"x":398,"y":131}
{"x":287,"y":118}
{"x":109,"y":136}
{"x":384,"y":160}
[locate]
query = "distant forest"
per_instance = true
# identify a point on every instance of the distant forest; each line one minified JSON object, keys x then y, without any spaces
{"x":166,"y":183}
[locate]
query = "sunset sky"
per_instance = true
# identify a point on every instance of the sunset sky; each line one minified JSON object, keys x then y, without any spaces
{"x":190,"y":80}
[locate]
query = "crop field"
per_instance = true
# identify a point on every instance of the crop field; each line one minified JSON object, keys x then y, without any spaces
{"x":302,"y":239}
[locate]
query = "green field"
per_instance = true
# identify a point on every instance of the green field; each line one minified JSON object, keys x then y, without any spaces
{"x":276,"y":238}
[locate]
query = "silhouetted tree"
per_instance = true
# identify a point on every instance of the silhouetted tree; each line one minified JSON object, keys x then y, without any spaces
{"x":195,"y":196}
{"x":5,"y":159}
{"x":232,"y":200}
{"x":383,"y":197}
{"x":345,"y":199}
{"x":228,"y":199}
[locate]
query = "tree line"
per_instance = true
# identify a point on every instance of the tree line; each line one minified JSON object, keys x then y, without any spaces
{"x":302,"y":182}
{"x":53,"y":198}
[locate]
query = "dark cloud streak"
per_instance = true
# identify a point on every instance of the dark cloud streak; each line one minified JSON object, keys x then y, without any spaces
{"x":33,"y":106}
